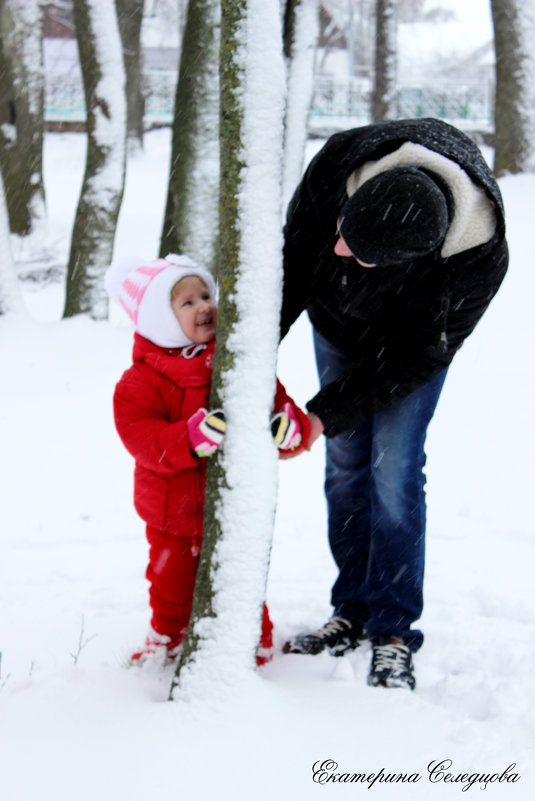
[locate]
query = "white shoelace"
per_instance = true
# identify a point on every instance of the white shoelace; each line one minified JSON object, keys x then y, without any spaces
{"x":333,"y":626}
{"x":391,"y":657}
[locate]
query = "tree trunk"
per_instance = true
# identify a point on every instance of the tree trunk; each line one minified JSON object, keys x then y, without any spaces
{"x":102,"y":189}
{"x":130,"y":17}
{"x":514,"y":37}
{"x":301,"y":26}
{"x":190,"y":223}
{"x":21,"y":112}
{"x":384,"y":95}
{"x":10,"y":299}
{"x":241,"y":484}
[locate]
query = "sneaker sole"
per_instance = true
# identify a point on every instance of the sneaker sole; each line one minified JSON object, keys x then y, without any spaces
{"x":393,"y":683}
{"x":290,"y":648}
{"x":333,"y":650}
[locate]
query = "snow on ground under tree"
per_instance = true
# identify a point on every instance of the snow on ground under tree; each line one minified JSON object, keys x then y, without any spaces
{"x":76,"y":725}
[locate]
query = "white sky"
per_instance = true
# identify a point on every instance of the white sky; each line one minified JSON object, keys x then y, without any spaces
{"x":469,"y":12}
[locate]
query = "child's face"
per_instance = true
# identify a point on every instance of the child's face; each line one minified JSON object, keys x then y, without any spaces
{"x":195,"y":309}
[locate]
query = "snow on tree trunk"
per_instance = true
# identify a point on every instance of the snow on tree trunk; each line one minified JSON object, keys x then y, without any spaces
{"x":514,"y":38}
{"x":93,"y":233}
{"x":130,"y":17}
{"x":190,"y":223}
{"x":384,"y":95}
{"x":21,"y":112}
{"x":9,"y":292}
{"x":241,"y":487}
{"x":300,"y":38}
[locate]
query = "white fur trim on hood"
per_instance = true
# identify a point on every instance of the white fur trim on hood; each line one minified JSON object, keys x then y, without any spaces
{"x":474,"y":217}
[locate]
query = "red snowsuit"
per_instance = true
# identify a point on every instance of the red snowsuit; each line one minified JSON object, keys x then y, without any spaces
{"x":152,"y":403}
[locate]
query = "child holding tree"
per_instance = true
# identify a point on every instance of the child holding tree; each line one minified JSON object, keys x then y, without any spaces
{"x":161,"y":415}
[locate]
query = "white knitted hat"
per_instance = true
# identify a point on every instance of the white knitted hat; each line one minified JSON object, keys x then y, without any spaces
{"x":144,"y":292}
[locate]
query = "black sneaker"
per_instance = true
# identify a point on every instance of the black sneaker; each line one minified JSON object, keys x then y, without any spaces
{"x":338,"y":635}
{"x":391,"y":664}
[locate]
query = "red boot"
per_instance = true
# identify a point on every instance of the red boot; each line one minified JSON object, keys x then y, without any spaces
{"x":264,"y":652}
{"x":159,"y":646}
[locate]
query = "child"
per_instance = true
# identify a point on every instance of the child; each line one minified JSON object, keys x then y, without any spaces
{"x":160,"y":407}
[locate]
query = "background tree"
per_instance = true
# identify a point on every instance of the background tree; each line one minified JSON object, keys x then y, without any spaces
{"x":9,"y":291}
{"x":94,"y":227}
{"x":241,"y":481}
{"x":21,"y":112}
{"x":301,"y":25}
{"x":384,"y":94}
{"x":192,"y":196}
{"x":514,"y":38}
{"x":130,"y":17}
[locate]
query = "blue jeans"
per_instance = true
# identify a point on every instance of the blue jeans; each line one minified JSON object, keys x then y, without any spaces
{"x":374,"y":485}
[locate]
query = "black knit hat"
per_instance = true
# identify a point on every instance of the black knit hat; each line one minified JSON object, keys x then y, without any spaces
{"x":399,"y":215}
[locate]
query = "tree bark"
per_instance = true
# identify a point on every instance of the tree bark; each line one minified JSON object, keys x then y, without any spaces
{"x":102,"y":189}
{"x":301,"y":27}
{"x":384,"y":95}
{"x":190,"y":223}
{"x":220,"y":646}
{"x":10,"y":299}
{"x":514,"y":35}
{"x":130,"y":17}
{"x":21,"y":112}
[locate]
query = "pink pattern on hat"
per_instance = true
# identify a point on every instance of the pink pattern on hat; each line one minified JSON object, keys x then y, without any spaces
{"x":135,"y":285}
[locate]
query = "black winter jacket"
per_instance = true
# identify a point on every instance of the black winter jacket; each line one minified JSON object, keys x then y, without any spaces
{"x":400,"y":325}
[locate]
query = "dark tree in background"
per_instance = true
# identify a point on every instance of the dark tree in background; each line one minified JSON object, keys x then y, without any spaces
{"x":94,"y":227}
{"x":190,"y":222}
{"x":21,"y":112}
{"x":10,"y":299}
{"x":300,"y":35}
{"x":130,"y":16}
{"x":514,"y":41}
{"x":383,"y":101}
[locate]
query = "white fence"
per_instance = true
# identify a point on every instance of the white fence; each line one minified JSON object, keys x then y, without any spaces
{"x":65,"y":100}
{"x":469,"y":104}
{"x":345,"y":101}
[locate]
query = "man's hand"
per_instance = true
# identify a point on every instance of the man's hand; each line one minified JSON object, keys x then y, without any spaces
{"x":316,"y":429}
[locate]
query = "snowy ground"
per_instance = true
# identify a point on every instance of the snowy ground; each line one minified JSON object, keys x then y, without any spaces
{"x":74,"y":724}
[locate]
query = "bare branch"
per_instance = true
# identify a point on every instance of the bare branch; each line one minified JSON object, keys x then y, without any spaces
{"x":82,"y":642}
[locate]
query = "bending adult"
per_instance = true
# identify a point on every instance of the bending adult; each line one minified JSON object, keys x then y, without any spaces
{"x":395,"y":245}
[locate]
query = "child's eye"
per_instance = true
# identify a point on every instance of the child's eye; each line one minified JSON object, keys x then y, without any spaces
{"x":187,"y":303}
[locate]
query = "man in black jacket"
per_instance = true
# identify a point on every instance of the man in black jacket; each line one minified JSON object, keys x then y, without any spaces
{"x":395,"y":245}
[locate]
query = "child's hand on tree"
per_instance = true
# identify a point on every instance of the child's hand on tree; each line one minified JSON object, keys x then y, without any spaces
{"x":286,"y":429}
{"x":206,"y":431}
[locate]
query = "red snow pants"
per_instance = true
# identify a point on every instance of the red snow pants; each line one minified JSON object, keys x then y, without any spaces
{"x":172,"y":569}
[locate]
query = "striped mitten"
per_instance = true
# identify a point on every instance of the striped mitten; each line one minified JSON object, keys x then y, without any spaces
{"x":206,"y":431}
{"x":286,"y":429}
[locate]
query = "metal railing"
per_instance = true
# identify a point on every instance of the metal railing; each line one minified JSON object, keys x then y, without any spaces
{"x":472,"y":103}
{"x":65,"y":99}
{"x":346,"y":100}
